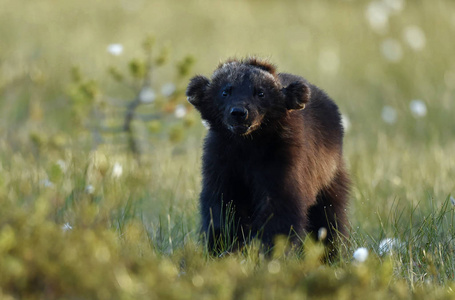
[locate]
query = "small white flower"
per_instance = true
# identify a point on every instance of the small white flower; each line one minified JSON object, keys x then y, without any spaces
{"x":147,"y":95}
{"x":391,"y":50}
{"x":89,"y":189}
{"x":115,"y":49}
{"x":452,"y":200}
{"x":168,"y":89}
{"x":62,"y":165}
{"x":329,"y":61}
{"x":345,"y":122}
{"x":415,"y":37}
{"x":322,"y":233}
{"x":180,"y":111}
{"x":377,"y":15}
{"x":67,"y":227}
{"x":197,"y":280}
{"x":418,"y":108}
{"x":361,"y":254}
{"x":274,"y":267}
{"x":394,"y":5}
{"x":117,"y":170}
{"x":389,"y":114}
{"x":205,"y":123}
{"x":387,"y":245}
{"x":47,"y":183}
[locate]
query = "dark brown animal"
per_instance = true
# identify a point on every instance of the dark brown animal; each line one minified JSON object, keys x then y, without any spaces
{"x":272,"y":162}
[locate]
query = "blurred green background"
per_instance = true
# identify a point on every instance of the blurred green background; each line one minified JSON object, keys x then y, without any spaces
{"x":69,"y":70}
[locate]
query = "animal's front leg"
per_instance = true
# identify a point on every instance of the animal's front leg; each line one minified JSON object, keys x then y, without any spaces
{"x":219,"y":223}
{"x":280,"y":213}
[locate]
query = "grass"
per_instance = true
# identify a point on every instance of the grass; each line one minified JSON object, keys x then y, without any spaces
{"x":71,"y":227}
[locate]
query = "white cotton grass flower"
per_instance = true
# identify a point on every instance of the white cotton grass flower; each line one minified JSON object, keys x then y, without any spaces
{"x":391,"y":50}
{"x":389,"y":114}
{"x":329,"y":61}
{"x":345,"y":122}
{"x":47,"y":183}
{"x":322,"y":234}
{"x":147,"y":95}
{"x":89,"y":189}
{"x":361,"y":254}
{"x":394,"y":6}
{"x":168,"y":89}
{"x":387,"y":245}
{"x":414,"y":37}
{"x":115,"y":49}
{"x":418,"y":108}
{"x":205,"y":123}
{"x":62,"y":165}
{"x":274,"y":267}
{"x":197,"y":280}
{"x":66,"y":227}
{"x":117,"y":170}
{"x":377,"y":15}
{"x":180,"y":111}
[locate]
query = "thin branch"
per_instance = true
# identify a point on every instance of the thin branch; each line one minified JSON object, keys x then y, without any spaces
{"x":116,"y":102}
{"x":149,"y":117}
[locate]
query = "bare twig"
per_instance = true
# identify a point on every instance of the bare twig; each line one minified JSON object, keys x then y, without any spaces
{"x":116,"y":102}
{"x":131,"y":109}
{"x":148,"y":117}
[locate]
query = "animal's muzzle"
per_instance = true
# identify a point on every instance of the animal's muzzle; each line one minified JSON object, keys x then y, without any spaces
{"x":239,"y":114}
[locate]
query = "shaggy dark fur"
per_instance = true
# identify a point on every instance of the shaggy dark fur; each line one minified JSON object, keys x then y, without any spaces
{"x":272,"y":157}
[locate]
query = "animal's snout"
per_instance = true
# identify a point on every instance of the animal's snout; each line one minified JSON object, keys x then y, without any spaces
{"x":239,"y":113}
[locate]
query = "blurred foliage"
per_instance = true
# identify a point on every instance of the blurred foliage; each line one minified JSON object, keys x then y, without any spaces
{"x":83,"y":95}
{"x":101,"y":113}
{"x":91,"y":257}
{"x":81,"y":218}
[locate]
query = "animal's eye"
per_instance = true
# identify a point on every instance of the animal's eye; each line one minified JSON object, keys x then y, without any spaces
{"x":260,"y":94}
{"x":224,"y":93}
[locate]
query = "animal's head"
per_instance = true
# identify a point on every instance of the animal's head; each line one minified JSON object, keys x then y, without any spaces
{"x":243,"y":95}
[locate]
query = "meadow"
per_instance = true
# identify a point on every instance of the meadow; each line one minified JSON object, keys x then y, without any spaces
{"x":100,"y":153}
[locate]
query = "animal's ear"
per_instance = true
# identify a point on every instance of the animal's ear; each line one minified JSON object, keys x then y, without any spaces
{"x":297,"y":94}
{"x":196,"y":89}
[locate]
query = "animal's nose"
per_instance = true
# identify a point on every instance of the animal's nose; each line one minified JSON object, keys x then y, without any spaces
{"x":240,"y":113}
